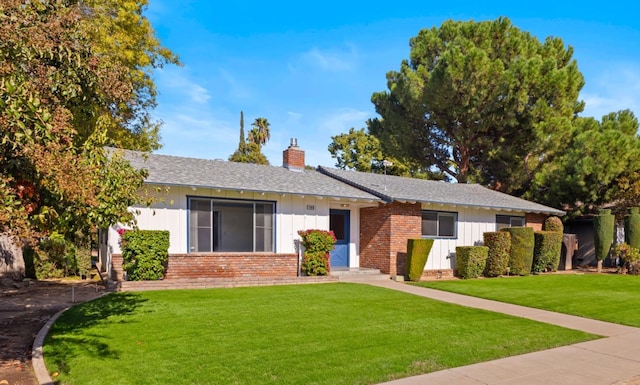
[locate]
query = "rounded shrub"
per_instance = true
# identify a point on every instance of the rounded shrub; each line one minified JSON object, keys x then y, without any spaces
{"x":499,"y":244}
{"x":553,"y":224}
{"x":521,"y":253}
{"x":417,"y":253}
{"x":317,"y":246}
{"x":471,"y":261}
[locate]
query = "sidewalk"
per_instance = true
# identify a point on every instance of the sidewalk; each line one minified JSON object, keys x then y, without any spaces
{"x":611,"y":360}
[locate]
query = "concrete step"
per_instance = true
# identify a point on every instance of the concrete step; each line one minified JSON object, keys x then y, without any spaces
{"x":358,"y":274}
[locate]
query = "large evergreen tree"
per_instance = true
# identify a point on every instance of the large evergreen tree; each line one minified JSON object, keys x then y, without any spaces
{"x":592,"y":169}
{"x":360,"y":151}
{"x":481,"y":102}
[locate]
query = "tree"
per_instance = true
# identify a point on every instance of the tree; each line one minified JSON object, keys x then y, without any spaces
{"x":60,"y":96}
{"x":120,"y":34}
{"x":259,"y":134}
{"x":250,"y":150}
{"x":481,"y":102}
{"x":600,"y":158}
{"x":357,"y":150}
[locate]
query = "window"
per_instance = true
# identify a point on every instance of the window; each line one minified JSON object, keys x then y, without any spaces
{"x":439,"y":224}
{"x":225,"y":225}
{"x":509,"y":221}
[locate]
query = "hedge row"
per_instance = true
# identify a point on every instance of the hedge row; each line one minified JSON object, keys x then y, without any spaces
{"x":513,"y":250}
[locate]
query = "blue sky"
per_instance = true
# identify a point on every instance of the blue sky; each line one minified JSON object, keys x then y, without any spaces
{"x":310,"y":68}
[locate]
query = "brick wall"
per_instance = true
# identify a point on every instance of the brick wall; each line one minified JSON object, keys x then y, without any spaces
{"x":384,"y":231}
{"x":223,"y":265}
{"x":535,"y":220}
{"x":293,"y":158}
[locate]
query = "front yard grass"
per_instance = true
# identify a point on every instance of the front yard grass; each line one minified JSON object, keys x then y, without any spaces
{"x":299,"y":334}
{"x":606,"y":297}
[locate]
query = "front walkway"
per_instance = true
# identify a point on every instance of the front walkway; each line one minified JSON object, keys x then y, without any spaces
{"x":611,"y":360}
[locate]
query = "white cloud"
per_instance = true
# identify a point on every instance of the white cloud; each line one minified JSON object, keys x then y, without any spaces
{"x":616,"y":88}
{"x":340,"y":121}
{"x":332,"y":60}
{"x":177,"y":82}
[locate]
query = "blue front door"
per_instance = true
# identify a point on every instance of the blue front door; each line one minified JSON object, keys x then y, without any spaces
{"x":339,"y":223}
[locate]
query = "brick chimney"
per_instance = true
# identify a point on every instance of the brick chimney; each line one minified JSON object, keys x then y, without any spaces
{"x":293,"y":157}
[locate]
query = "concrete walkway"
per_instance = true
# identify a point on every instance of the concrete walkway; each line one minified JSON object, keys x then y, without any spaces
{"x":611,"y":360}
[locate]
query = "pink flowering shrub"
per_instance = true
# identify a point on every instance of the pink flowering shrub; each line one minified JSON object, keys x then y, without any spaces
{"x":317,"y":246}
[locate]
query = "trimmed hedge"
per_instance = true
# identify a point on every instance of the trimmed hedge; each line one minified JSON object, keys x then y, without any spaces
{"x":145,"y":254}
{"x":417,"y":253}
{"x":471,"y":261}
{"x":546,"y":251}
{"x":632,"y":227}
{"x":521,"y":253}
{"x":603,"y":226}
{"x":499,"y":244}
{"x":553,"y":224}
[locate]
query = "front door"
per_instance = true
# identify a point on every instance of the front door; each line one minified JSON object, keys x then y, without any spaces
{"x":339,"y":223}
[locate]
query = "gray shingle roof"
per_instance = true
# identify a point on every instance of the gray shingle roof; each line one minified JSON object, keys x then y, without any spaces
{"x":218,"y":174}
{"x":392,"y":188}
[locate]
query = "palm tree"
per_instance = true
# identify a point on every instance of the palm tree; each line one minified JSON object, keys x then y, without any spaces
{"x":259,"y":134}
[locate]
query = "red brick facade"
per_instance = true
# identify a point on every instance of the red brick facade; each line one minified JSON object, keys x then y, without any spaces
{"x":222,"y":265}
{"x":535,"y":220}
{"x":384,"y":231}
{"x":293,"y":157}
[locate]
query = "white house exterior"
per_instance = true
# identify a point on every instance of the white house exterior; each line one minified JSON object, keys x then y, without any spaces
{"x":231,"y":219}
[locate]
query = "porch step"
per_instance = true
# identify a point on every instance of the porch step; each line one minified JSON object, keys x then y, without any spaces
{"x":356,"y":274}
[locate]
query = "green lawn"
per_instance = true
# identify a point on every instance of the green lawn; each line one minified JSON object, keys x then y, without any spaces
{"x":300,"y":334}
{"x":607,"y":297}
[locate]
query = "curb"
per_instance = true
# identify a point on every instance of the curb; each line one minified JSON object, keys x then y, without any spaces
{"x":37,"y":359}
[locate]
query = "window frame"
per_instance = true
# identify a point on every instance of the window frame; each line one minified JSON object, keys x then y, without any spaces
{"x":439,"y":214}
{"x":511,"y":218}
{"x":213,"y":231}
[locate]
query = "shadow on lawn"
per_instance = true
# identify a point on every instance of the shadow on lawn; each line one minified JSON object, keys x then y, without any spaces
{"x":68,"y":337}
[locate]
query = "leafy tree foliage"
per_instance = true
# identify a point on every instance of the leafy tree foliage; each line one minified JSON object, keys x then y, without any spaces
{"x":598,"y":160}
{"x":250,"y":148}
{"x":360,"y":151}
{"x":64,"y":95}
{"x":260,"y":134}
{"x":120,"y":34}
{"x":481,"y":102}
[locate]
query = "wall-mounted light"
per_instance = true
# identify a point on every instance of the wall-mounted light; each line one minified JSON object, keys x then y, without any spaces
{"x":344,"y":205}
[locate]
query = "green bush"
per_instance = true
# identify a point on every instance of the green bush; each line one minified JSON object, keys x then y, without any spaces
{"x":471,"y":261}
{"x":317,"y":246}
{"x":629,"y":256}
{"x":553,"y":224}
{"x":145,"y":254}
{"x":417,"y":254}
{"x":632,"y":227}
{"x":499,"y":244}
{"x":603,"y":227}
{"x":547,"y":250}
{"x":56,"y":257}
{"x":521,"y":253}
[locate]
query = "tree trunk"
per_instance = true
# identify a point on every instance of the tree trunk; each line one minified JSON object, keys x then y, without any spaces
{"x":11,"y":260}
{"x":599,"y":266}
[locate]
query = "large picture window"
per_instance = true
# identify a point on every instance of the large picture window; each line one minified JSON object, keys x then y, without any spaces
{"x":439,"y":224}
{"x":225,"y":225}
{"x":509,"y":221}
